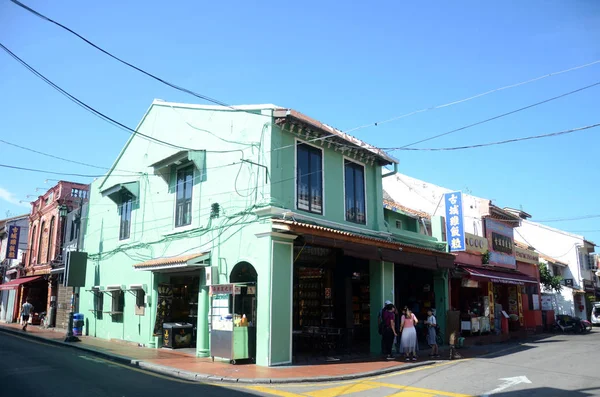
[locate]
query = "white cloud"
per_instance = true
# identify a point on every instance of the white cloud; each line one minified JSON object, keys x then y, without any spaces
{"x":10,"y":198}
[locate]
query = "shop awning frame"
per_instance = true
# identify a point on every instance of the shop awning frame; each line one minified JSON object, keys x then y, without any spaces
{"x":498,"y":276}
{"x":16,"y":283}
{"x":173,"y":264}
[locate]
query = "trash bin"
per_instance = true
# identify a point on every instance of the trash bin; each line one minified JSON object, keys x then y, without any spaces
{"x":78,"y":324}
{"x":177,"y":335}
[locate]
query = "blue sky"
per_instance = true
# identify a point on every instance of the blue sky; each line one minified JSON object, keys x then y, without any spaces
{"x":344,"y":64}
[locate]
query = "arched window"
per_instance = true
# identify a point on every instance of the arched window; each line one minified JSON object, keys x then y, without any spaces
{"x":32,"y":244}
{"x":39,"y":247}
{"x":50,"y":241}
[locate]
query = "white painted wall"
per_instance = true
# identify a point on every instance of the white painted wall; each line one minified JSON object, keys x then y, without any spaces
{"x":427,"y":197}
{"x":564,"y":247}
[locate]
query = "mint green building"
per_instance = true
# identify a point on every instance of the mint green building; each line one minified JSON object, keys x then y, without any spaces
{"x":288,"y":209}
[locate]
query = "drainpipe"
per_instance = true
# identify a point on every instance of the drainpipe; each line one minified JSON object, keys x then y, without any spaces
{"x":394,"y":172}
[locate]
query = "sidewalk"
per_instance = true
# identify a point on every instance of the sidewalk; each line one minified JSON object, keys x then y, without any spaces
{"x":183,"y":365}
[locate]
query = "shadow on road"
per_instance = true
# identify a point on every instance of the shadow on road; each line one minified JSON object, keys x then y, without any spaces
{"x":549,"y":392}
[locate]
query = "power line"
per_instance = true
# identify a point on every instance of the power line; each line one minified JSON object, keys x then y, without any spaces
{"x":578,"y":218}
{"x":495,"y":117}
{"x":179,"y":88}
{"x":550,"y":135}
{"x":98,"y":113}
{"x":60,"y":158}
{"x":377,"y":123}
{"x":53,"y":172}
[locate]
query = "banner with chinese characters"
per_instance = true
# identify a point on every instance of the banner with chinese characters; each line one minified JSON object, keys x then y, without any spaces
{"x":500,"y":244}
{"x":455,"y":234}
{"x":13,"y":242}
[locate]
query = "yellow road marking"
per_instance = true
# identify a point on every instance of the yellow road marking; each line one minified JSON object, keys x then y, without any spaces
{"x":342,"y":390}
{"x":418,"y":390}
{"x":412,"y":394}
{"x":274,"y":392}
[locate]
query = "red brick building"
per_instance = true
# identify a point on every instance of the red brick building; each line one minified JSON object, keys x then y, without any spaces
{"x":46,"y":238}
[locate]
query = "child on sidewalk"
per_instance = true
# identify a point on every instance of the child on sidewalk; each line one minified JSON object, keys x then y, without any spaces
{"x":432,"y":334}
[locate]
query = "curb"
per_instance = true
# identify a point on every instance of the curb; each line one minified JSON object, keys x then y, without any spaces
{"x":199,"y":377}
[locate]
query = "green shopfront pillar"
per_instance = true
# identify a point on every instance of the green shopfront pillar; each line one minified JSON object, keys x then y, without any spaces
{"x":381,"y":278}
{"x":203,"y":336}
{"x":442,"y":302}
{"x":282,"y":289}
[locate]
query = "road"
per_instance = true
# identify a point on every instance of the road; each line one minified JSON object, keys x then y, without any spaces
{"x":563,"y":365}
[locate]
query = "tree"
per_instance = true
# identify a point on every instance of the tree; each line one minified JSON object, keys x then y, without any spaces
{"x":549,"y":281}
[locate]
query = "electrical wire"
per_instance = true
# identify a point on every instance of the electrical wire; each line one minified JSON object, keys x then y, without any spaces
{"x":377,"y":123}
{"x":62,"y":158}
{"x":578,"y":218}
{"x":494,"y":118}
{"x":96,"y":112}
{"x":161,"y":80}
{"x":550,"y":135}
{"x":53,"y":172}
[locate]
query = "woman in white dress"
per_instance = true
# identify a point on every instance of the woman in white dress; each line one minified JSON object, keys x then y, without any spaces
{"x":408,"y":340}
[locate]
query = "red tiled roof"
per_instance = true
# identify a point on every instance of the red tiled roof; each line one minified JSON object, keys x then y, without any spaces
{"x":550,"y":259}
{"x":372,"y":240}
{"x":392,"y":204}
{"x":168,"y":261}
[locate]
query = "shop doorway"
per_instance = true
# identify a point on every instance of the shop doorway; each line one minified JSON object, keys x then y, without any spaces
{"x":37,"y":293}
{"x":178,"y":310}
{"x":413,"y":287}
{"x":245,"y":301}
{"x":331,"y":305}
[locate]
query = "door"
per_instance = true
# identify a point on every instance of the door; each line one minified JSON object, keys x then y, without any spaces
{"x":10,"y":307}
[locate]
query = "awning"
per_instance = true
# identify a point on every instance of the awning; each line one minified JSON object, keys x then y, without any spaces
{"x":114,"y":192}
{"x":366,"y":247}
{"x":197,"y":157}
{"x":177,"y":263}
{"x":497,"y":276}
{"x":14,"y":284}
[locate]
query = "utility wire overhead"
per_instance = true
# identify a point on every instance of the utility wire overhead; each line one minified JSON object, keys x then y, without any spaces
{"x":577,"y":218}
{"x":14,"y":167}
{"x":377,"y":123}
{"x":96,"y":112}
{"x":179,"y":88}
{"x":61,"y":158}
{"x":495,"y":117}
{"x":550,"y":135}
{"x":218,"y":102}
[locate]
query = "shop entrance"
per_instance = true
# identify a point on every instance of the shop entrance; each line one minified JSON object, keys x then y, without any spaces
{"x":244,"y":309}
{"x":178,"y":309}
{"x":37,"y":292}
{"x":413,"y":288}
{"x":331,"y":305}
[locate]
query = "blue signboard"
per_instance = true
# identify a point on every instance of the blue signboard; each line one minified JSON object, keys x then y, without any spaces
{"x":455,"y":233}
{"x":13,"y":242}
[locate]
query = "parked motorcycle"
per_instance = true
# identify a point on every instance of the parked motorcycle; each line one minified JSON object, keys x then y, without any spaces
{"x":566,"y":323}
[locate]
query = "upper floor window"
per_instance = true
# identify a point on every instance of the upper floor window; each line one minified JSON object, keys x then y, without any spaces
{"x":125,"y":209}
{"x":354,"y":181}
{"x":79,"y":193}
{"x":49,"y":198}
{"x":50,"y":240}
{"x":183,"y":201}
{"x":556,"y":271}
{"x":309,"y":178}
{"x":40,"y":239}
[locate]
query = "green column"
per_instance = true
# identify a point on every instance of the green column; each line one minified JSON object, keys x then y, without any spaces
{"x":281,"y":302}
{"x":202,"y":348}
{"x":381,"y":277}
{"x":442,"y":301}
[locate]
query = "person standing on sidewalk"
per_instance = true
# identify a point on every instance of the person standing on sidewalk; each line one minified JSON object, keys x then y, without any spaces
{"x":431,"y":324}
{"x":408,"y":340}
{"x":389,"y":331}
{"x":25,"y":313}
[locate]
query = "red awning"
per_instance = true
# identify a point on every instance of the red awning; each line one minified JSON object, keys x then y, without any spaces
{"x":497,"y":276}
{"x":14,"y":284}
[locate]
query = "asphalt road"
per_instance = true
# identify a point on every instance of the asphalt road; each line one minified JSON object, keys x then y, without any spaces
{"x":562,"y":365}
{"x":32,"y":368}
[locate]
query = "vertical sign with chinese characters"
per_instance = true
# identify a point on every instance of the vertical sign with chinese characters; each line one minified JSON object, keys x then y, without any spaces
{"x":13,"y":242}
{"x":455,"y":233}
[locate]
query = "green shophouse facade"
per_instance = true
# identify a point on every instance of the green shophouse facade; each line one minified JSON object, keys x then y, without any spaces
{"x":211,"y":195}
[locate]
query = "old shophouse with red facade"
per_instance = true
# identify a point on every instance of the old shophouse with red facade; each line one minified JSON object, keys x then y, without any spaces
{"x":44,"y":263}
